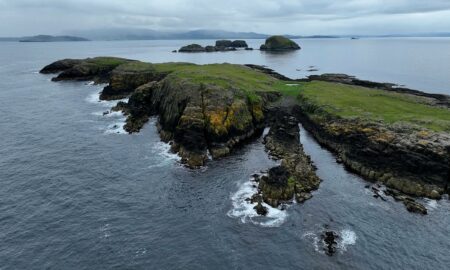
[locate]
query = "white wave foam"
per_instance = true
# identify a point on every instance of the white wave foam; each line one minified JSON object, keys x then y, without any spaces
{"x":95,"y":99}
{"x":243,"y":209}
{"x":163,"y":150}
{"x":116,"y":128}
{"x":346,"y":238}
{"x":431,"y":204}
{"x":110,"y":114}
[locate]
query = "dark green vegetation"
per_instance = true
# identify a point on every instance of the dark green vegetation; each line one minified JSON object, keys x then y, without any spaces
{"x":279,"y":43}
{"x":399,"y":138}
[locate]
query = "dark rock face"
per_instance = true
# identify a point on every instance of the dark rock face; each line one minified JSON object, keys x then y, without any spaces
{"x":197,"y":117}
{"x":192,"y":48}
{"x":261,"y":210}
{"x":329,"y":239}
{"x":126,"y":78}
{"x":60,"y":66}
{"x":224,"y":43}
{"x":295,"y":175}
{"x":97,"y":69}
{"x":279,"y":43}
{"x":410,"y":204}
{"x":239,"y":44}
{"x":409,"y":160}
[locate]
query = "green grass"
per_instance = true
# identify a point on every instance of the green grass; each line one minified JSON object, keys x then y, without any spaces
{"x":108,"y":61}
{"x":357,"y":102}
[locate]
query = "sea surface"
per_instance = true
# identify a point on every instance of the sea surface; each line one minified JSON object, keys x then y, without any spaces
{"x":77,"y":192}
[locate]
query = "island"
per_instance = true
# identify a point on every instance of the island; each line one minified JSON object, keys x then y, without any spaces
{"x":393,"y":136}
{"x":48,"y":38}
{"x":279,"y":43}
{"x":221,"y":46}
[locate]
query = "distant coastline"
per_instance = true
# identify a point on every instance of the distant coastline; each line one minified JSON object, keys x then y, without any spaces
{"x":146,"y":34}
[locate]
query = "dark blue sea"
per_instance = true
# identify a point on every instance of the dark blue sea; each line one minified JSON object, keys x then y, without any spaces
{"x":76,"y":192}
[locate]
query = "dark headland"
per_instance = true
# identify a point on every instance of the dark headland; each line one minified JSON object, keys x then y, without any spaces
{"x":48,"y":38}
{"x":392,"y":136}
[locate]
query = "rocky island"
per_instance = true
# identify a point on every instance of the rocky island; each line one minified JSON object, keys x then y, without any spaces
{"x":221,"y":46}
{"x":279,"y":43}
{"x":398,"y":137}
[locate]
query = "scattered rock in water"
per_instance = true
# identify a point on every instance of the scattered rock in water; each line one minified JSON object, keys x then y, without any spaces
{"x":174,"y":51}
{"x":329,"y":238}
{"x":261,"y":210}
{"x":312,"y":70}
{"x":249,"y":49}
{"x":414,"y":207}
{"x":105,"y":113}
{"x":410,"y":204}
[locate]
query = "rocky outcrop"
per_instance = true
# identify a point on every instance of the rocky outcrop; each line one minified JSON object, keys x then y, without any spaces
{"x":97,"y":69}
{"x":197,"y":117}
{"x":295,"y":177}
{"x":124,"y":79}
{"x":221,"y":46}
{"x":60,"y":66}
{"x":411,"y":160}
{"x":192,"y":48}
{"x":279,"y":43}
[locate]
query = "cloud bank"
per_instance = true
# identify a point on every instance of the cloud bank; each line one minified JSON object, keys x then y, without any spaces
{"x":300,"y":17}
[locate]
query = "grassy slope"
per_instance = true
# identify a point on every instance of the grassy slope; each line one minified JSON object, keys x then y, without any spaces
{"x":348,"y":101}
{"x":337,"y":99}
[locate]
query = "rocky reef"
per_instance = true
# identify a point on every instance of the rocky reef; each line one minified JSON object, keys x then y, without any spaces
{"x":220,"y":46}
{"x":279,"y":43}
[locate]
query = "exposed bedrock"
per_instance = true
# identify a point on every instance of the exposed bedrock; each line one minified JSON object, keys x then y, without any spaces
{"x":197,"y":117}
{"x":296,"y":174}
{"x":413,"y":161}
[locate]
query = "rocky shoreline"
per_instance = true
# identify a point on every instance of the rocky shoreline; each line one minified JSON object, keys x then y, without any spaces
{"x":210,"y":110}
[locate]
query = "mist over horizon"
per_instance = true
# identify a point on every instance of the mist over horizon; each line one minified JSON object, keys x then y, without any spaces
{"x":302,"y":18}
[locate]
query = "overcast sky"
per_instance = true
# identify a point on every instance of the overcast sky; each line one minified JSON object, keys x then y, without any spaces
{"x":300,"y":17}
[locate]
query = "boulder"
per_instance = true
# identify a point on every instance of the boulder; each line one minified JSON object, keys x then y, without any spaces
{"x":261,"y":210}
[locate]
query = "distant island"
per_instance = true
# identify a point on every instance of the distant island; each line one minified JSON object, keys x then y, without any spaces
{"x":48,"y":38}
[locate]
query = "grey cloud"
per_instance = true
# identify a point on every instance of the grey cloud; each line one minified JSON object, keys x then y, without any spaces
{"x":22,"y":17}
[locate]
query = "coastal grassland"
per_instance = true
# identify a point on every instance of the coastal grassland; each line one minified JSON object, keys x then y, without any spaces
{"x":347,"y":101}
{"x":106,"y":62}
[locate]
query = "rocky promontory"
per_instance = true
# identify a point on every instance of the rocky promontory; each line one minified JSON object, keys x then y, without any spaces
{"x":398,"y":137}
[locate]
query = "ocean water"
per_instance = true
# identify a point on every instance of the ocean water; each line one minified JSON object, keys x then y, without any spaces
{"x":79,"y":193}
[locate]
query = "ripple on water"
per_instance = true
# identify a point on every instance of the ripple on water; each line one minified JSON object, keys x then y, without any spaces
{"x":243,"y":209}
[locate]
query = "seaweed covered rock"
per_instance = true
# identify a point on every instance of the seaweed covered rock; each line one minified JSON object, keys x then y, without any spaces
{"x":279,"y":43}
{"x":192,"y":48}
